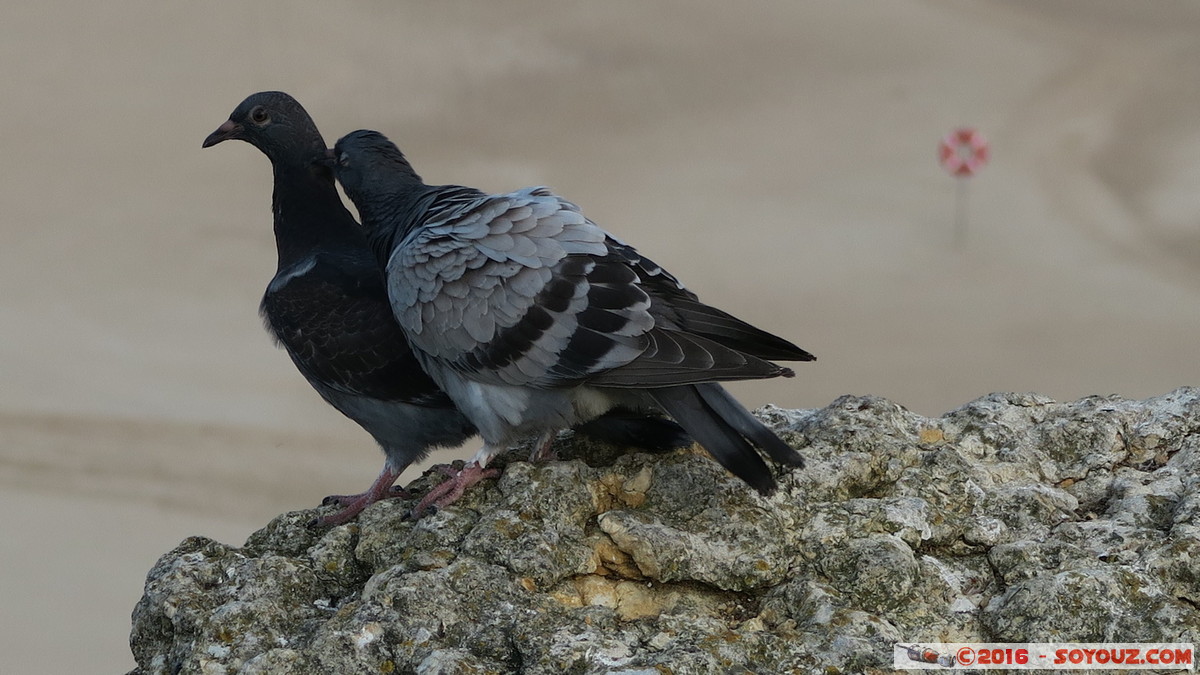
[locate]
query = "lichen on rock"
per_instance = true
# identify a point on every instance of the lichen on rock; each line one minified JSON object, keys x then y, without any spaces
{"x":1014,"y":518}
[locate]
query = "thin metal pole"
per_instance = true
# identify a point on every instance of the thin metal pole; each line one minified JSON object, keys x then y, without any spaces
{"x":960,"y":213}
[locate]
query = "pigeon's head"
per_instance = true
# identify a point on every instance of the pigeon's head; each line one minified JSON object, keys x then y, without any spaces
{"x":368,"y":165}
{"x":273,"y":122}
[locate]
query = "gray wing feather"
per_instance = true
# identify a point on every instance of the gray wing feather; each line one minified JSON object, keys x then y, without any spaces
{"x":521,"y":289}
{"x":457,"y":283}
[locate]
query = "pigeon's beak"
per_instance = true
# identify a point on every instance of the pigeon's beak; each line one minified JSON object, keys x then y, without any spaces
{"x":327,"y":160}
{"x":226,"y":131}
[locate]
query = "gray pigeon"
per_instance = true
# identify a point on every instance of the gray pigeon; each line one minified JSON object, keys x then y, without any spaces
{"x":533,"y":319}
{"x":327,"y":306}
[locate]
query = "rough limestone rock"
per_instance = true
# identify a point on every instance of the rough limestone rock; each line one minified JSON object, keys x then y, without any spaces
{"x":1011,"y":519}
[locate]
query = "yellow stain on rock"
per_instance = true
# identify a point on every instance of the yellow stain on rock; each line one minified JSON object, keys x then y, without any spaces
{"x":629,"y":599}
{"x":930,"y":436}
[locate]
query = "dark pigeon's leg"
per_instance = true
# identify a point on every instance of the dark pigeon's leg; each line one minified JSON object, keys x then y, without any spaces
{"x":382,"y":488}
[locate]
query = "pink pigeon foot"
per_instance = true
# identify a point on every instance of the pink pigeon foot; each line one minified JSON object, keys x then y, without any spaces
{"x":352,"y":505}
{"x":449,"y":491}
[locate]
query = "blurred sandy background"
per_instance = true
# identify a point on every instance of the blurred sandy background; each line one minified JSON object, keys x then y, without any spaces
{"x":777,"y":156}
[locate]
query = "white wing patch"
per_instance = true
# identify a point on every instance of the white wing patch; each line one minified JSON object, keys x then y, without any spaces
{"x":286,"y":276}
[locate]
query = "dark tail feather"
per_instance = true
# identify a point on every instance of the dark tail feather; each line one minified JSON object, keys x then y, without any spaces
{"x":747,"y":425}
{"x":638,"y":430}
{"x":721,"y":439}
{"x":736,"y":334}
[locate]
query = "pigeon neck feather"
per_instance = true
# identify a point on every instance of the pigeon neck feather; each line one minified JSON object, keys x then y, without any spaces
{"x":308,"y":212}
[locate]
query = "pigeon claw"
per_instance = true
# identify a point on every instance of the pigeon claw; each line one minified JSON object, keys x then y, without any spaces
{"x":352,"y":505}
{"x":449,"y":491}
{"x":394,"y":492}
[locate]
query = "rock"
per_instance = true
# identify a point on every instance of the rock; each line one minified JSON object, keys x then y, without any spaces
{"x":1011,"y":519}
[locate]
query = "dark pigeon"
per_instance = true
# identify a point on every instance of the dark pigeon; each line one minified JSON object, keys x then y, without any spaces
{"x":533,"y":319}
{"x":328,"y":307}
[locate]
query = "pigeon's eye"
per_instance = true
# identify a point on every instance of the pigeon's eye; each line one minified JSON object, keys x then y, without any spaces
{"x":259,"y":115}
{"x":344,"y":159}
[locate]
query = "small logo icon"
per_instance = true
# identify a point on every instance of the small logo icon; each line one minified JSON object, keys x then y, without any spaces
{"x":927,"y":655}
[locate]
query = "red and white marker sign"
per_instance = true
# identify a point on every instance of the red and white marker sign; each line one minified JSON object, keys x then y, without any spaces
{"x":963,"y":152}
